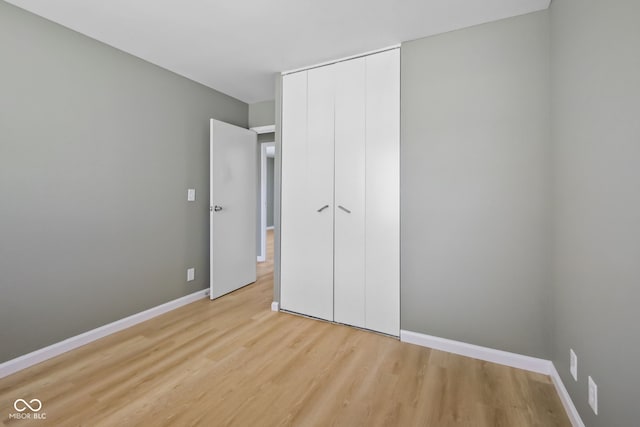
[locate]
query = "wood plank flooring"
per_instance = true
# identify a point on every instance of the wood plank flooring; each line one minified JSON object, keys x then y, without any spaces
{"x":234,"y":362}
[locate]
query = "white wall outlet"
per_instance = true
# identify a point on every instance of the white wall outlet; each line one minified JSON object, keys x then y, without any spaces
{"x":191,"y":274}
{"x":593,"y":395}
{"x":191,"y":195}
{"x":573,"y":364}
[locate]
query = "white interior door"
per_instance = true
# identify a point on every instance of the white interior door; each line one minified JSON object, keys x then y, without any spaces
{"x":350,"y":155}
{"x":306,"y":271}
{"x":232,"y":216}
{"x":340,"y":233}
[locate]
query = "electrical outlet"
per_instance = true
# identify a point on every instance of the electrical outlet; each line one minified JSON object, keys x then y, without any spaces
{"x":191,"y":195}
{"x":191,"y":274}
{"x":573,"y":364}
{"x":593,"y":395}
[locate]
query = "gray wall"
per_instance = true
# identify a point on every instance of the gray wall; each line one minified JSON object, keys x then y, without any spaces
{"x":475,"y":187}
{"x":266,"y":137}
{"x":270,"y":166}
{"x":596,"y":136}
{"x":262,"y":114}
{"x":97,"y":150}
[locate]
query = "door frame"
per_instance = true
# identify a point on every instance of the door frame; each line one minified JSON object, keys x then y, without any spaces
{"x":263,"y":199}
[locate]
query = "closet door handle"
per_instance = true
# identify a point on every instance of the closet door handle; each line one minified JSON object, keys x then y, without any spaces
{"x":323,"y":208}
{"x":344,"y":209}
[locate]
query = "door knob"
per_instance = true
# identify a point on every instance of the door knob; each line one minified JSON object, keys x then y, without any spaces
{"x":217,"y":208}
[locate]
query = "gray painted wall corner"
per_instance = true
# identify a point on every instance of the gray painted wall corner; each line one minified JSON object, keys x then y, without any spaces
{"x":596,"y":140}
{"x":475,"y":194}
{"x":97,"y":151}
{"x":262,"y":113}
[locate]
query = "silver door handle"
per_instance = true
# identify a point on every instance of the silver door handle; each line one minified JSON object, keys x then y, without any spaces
{"x":323,"y":208}
{"x":344,"y":209}
{"x":217,"y":208}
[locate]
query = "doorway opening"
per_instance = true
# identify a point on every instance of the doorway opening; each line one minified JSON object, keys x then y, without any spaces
{"x":267,"y":180}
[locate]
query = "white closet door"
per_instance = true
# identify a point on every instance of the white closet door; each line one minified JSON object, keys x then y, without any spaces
{"x":307,"y":193}
{"x":383,"y":192}
{"x":349,"y":254}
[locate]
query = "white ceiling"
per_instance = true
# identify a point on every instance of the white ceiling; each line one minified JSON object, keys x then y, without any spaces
{"x":236,"y":46}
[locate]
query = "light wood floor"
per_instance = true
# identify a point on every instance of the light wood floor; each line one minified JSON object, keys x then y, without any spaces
{"x":234,"y":362}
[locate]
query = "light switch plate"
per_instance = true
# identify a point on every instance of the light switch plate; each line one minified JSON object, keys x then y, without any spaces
{"x":191,"y":195}
{"x":573,"y":364}
{"x":191,"y":274}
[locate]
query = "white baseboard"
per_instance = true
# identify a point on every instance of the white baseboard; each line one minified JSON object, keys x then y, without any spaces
{"x":514,"y":360}
{"x":528,"y":363}
{"x":572,"y":412}
{"x":270,"y":227}
{"x":19,"y":363}
{"x":275,"y":306}
{"x":261,"y":258}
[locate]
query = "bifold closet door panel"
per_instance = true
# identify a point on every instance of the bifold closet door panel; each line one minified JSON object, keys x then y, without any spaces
{"x":350,"y":152}
{"x":383,"y":192}
{"x":307,"y":193}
